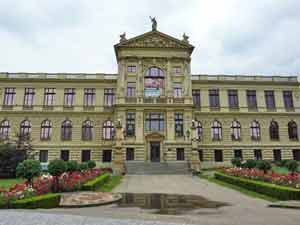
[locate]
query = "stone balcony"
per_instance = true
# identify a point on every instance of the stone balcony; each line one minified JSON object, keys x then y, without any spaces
{"x":153,"y":100}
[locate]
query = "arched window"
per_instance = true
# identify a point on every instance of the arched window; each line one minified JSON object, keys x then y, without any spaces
{"x":4,"y":129}
{"x":87,"y":130}
{"x":293,"y":130}
{"x":199,"y":130}
{"x":66,"y":130}
{"x":154,"y":82}
{"x":235,"y":130}
{"x":274,"y":130}
{"x":255,"y":130}
{"x":216,"y":130}
{"x":25,"y":128}
{"x":108,"y":130}
{"x":46,"y":130}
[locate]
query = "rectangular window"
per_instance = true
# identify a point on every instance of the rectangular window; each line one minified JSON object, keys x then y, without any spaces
{"x":270,"y":99}
{"x":155,"y":122}
{"x":109,"y":97}
{"x":130,"y":89}
{"x":177,"y":70}
{"x":131,"y":69}
{"x":85,"y":155}
{"x":65,"y":155}
{"x":257,"y":154}
{"x":296,"y":154}
{"x":251,"y":99}
{"x":43,"y":155}
{"x":196,"y":98}
{"x":28,"y":97}
{"x":129,"y":154}
{"x":218,"y":155}
{"x":214,"y":99}
{"x":130,"y":124}
{"x":89,"y":97}
{"x":277,"y":155}
{"x":288,"y":99}
{"x":178,"y":118}
{"x":177,"y":90}
{"x":49,"y":96}
{"x":179,"y":154}
{"x":106,"y":156}
{"x":200,"y":154}
{"x":238,"y":154}
{"x":9,"y":96}
{"x":69,"y":95}
{"x":233,"y":99}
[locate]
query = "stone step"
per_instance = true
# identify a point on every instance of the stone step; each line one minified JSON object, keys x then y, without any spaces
{"x":157,"y":168}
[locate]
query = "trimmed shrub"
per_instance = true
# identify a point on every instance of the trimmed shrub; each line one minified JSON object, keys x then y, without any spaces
{"x":96,"y":183}
{"x":56,"y":168}
{"x":263,"y":165}
{"x":46,"y":201}
{"x":83,"y":166}
{"x":292,"y":166}
{"x":29,"y":169}
{"x":236,"y":162}
{"x":272,"y":190}
{"x":91,"y":164}
{"x":250,"y":164}
{"x":72,"y":166}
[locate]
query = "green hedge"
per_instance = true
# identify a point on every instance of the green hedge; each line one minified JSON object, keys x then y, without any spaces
{"x":46,"y":201}
{"x":272,"y":190}
{"x":96,"y":183}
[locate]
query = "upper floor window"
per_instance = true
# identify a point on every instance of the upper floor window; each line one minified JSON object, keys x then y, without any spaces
{"x":177,"y":70}
{"x":46,"y":129}
{"x":49,"y":96}
{"x":66,"y":130}
{"x":178,"y":119}
{"x":28,"y":97}
{"x":196,"y":98}
{"x":293,"y":130}
{"x":109,"y":96}
{"x":214,"y":100}
{"x":233,"y":99}
{"x":155,"y":122}
{"x":9,"y":96}
{"x":154,"y":82}
{"x":131,"y":89}
{"x":288,"y":99}
{"x":177,"y":90}
{"x":89,"y":97}
{"x":254,"y":130}
{"x":69,"y":97}
{"x":108,"y":130}
{"x":25,"y":128}
{"x":131,"y":69}
{"x":270,"y":99}
{"x":235,"y":130}
{"x":274,"y":130}
{"x":87,"y":130}
{"x":4,"y":129}
{"x":251,"y":99}
{"x":199,"y":130}
{"x":216,"y":130}
{"x":130,"y":124}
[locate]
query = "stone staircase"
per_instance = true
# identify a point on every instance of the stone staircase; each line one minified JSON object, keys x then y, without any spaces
{"x":149,"y":168}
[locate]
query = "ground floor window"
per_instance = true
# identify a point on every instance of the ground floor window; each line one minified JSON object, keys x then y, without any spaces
{"x":200,"y":154}
{"x":129,"y":154}
{"x":296,"y":154}
{"x":277,"y":155}
{"x":106,"y":157}
{"x":218,"y":156}
{"x":85,"y":155}
{"x":43,"y":155}
{"x":238,"y":154}
{"x":180,"y":154}
{"x":65,"y":155}
{"x":257,"y":154}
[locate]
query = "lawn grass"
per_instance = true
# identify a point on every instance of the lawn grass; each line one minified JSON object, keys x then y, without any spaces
{"x":7,"y":183}
{"x":239,"y":189}
{"x":280,"y":170}
{"x":111,"y":184}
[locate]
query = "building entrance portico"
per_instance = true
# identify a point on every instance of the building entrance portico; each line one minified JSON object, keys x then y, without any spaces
{"x":154,"y":145}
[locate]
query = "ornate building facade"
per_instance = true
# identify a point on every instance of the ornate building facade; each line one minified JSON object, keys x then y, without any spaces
{"x":153,"y":110}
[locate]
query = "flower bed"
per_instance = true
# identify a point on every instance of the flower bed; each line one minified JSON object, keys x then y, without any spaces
{"x":290,"y":180}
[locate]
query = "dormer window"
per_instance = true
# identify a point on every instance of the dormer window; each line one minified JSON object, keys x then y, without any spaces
{"x":154,"y":82}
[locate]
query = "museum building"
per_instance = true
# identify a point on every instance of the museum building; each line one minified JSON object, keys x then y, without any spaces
{"x":153,"y":110}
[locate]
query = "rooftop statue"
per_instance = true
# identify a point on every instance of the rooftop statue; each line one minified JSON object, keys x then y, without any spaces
{"x":185,"y":37}
{"x":154,"y":23}
{"x":123,"y":37}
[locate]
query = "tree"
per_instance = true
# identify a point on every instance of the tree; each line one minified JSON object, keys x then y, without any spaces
{"x":250,"y":164}
{"x":292,"y":166}
{"x":23,"y":143}
{"x":29,"y":169}
{"x":56,"y":168}
{"x":263,"y":165}
{"x":83,"y":166}
{"x":91,"y":164}
{"x":236,"y":162}
{"x":72,"y":166}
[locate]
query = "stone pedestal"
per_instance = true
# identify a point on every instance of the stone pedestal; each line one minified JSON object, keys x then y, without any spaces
{"x":195,"y":162}
{"x":118,"y":154}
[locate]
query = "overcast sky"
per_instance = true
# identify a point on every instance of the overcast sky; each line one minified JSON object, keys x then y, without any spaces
{"x":230,"y":36}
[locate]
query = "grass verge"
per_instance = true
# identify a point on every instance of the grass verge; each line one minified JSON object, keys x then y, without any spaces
{"x":111,"y":184}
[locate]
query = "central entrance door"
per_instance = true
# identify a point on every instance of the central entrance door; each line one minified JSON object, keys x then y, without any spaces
{"x":155,"y":151}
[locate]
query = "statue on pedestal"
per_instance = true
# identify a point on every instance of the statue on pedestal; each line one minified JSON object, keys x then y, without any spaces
{"x":154,"y":23}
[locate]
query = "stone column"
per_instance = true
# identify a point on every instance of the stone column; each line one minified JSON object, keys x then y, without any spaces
{"x":195,"y":162}
{"x":118,"y":156}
